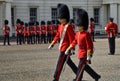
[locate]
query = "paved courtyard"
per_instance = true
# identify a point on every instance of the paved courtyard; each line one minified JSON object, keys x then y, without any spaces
{"x":37,"y":63}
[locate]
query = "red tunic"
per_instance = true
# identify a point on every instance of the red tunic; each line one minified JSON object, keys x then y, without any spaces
{"x":92,"y":27}
{"x":54,"y":29}
{"x":42,"y":30}
{"x":51,"y":30}
{"x":6,"y":30}
{"x":28,"y":30}
{"x":84,"y":42}
{"x":38,"y":30}
{"x":69,"y":36}
{"x":25,"y":31}
{"x":18,"y":29}
{"x":35,"y":30}
{"x":112,"y":29}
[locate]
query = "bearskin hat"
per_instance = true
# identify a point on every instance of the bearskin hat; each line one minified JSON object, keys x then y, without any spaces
{"x":63,"y":12}
{"x":42,"y":22}
{"x":18,"y":21}
{"x":57,"y":22}
{"x":71,"y":21}
{"x":6,"y":22}
{"x":26,"y":24}
{"x":37,"y":23}
{"x":48,"y":23}
{"x":111,"y":19}
{"x":30,"y":23}
{"x":22,"y":23}
{"x":81,"y":18}
{"x":53,"y":21}
{"x":91,"y":19}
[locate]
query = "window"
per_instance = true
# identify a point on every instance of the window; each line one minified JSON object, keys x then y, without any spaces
{"x":54,"y":14}
{"x":74,"y":10}
{"x":97,"y":15}
{"x":12,"y":16}
{"x":33,"y":14}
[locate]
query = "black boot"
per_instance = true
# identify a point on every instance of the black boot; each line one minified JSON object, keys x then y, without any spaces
{"x":96,"y":79}
{"x":55,"y":80}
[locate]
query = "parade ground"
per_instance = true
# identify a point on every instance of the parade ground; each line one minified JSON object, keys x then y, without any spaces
{"x":37,"y":63}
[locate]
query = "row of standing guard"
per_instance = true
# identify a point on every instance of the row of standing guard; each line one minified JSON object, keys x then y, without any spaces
{"x":33,"y":33}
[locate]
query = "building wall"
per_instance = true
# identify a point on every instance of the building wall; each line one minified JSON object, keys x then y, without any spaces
{"x":2,"y":17}
{"x":21,"y":9}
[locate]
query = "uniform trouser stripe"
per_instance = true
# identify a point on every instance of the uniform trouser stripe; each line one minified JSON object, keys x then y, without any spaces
{"x":62,"y":61}
{"x":81,"y":66}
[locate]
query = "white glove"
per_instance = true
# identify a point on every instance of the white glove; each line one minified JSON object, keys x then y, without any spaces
{"x":89,"y":60}
{"x":67,"y":52}
{"x":50,"y":47}
{"x":72,"y":52}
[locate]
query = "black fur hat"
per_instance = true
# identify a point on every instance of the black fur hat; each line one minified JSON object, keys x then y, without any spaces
{"x":26,"y":24}
{"x":30,"y":23}
{"x":6,"y":22}
{"x":18,"y":21}
{"x":37,"y":23}
{"x":22,"y":23}
{"x":71,"y":21}
{"x":111,"y":19}
{"x":81,"y":18}
{"x":57,"y":22}
{"x":63,"y":12}
{"x":91,"y":19}
{"x":48,"y":23}
{"x":53,"y":21}
{"x":42,"y":22}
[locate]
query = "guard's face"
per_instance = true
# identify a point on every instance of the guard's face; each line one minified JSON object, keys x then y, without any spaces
{"x":80,"y":28}
{"x":63,"y":21}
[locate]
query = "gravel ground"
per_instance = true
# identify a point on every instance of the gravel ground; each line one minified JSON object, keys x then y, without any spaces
{"x":36,"y":63}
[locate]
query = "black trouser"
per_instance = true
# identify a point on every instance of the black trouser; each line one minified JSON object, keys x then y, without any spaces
{"x":19,"y":39}
{"x":92,"y":35}
{"x":49,"y":38}
{"x":6,"y":38}
{"x":112,"y":44}
{"x":60,"y":63}
{"x":37,"y":39}
{"x":43,"y":38}
{"x":85,"y":67}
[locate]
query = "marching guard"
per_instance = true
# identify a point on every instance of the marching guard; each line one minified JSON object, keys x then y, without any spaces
{"x":85,"y":44}
{"x":66,"y":35}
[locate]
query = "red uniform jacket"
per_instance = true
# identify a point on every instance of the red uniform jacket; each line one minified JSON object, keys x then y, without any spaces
{"x":35,"y":30}
{"x":42,"y":30}
{"x":48,"y":29}
{"x":25,"y":31}
{"x":112,"y":29}
{"x":54,"y":29}
{"x":38,"y":30}
{"x":92,"y":27}
{"x":84,"y":41}
{"x":6,"y":30}
{"x":28,"y":30}
{"x":69,"y":36}
{"x":19,"y":29}
{"x":51,"y":30}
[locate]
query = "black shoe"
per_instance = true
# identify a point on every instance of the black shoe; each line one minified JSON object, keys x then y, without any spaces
{"x":110,"y":54}
{"x":55,"y":80}
{"x":98,"y":78}
{"x":74,"y":79}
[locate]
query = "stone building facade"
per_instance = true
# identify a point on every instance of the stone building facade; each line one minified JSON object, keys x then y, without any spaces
{"x":39,"y":10}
